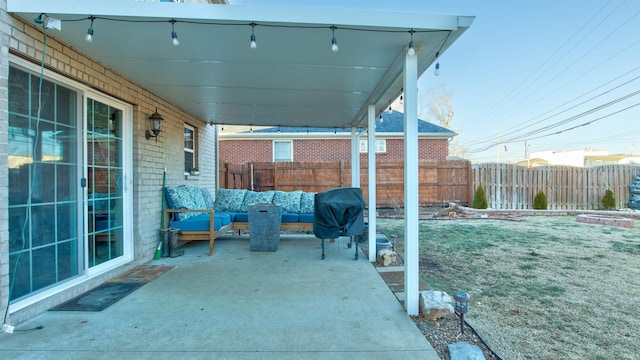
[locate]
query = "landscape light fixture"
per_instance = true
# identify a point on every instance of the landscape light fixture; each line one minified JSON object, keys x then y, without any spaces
{"x":174,"y":36}
{"x":253,"y":43}
{"x":89,"y":37}
{"x":156,"y":126}
{"x":462,"y":306}
{"x":412,"y":50}
{"x":334,"y":42}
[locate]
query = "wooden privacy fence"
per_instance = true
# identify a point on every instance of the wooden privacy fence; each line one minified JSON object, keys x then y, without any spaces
{"x":440,"y":181}
{"x":510,"y":186}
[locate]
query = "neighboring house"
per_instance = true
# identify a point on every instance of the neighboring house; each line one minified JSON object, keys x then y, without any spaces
{"x":580,"y":158}
{"x":614,"y":159}
{"x":322,"y":144}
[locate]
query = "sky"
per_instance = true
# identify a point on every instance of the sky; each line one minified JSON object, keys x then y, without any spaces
{"x":531,"y":74}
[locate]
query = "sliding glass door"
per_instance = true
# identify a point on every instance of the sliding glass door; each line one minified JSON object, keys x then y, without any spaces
{"x":45,"y":228}
{"x":104,"y":182}
{"x":68,"y":198}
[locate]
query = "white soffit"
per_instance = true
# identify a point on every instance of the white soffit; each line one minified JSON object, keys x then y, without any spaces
{"x":291,"y":79}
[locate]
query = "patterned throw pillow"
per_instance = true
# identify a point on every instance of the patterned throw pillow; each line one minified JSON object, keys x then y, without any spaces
{"x":197,"y":200}
{"x":290,"y":200}
{"x":257,"y":197}
{"x":230,"y":200}
{"x":208,"y":199}
{"x":307,"y":201}
{"x":185,"y":197}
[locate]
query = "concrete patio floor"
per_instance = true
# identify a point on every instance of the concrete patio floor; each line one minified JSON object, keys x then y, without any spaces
{"x":238,"y":304}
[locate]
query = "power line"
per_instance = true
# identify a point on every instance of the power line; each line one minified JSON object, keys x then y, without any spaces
{"x":519,"y":127}
{"x":580,"y":58}
{"x":525,"y":136}
{"x":511,"y":94}
{"x":583,"y":124}
{"x":575,"y":117}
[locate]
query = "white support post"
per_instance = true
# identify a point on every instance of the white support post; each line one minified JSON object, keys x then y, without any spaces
{"x":411,"y":188}
{"x":371,"y":161}
{"x":355,"y":158}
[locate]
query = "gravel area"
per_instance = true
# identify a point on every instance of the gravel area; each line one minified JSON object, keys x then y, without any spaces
{"x":443,"y":332}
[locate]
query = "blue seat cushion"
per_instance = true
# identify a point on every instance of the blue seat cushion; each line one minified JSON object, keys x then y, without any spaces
{"x":201,"y":222}
{"x":241,"y":217}
{"x":227,"y":217}
{"x":305,"y":218}
{"x":289,"y":217}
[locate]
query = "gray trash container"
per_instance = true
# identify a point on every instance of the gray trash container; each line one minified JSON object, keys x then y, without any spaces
{"x":264,"y":226}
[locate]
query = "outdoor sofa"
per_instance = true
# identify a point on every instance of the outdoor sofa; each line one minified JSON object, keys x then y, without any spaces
{"x":200,"y":216}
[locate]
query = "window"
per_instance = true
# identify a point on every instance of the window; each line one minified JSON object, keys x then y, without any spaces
{"x":381,"y":146}
{"x":283,"y":150}
{"x":189,"y":149}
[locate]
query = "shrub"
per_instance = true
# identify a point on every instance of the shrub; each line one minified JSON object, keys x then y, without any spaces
{"x":540,"y":201}
{"x":608,"y":201}
{"x":479,"y":198}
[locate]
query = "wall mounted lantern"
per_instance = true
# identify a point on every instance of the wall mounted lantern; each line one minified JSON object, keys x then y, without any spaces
{"x":156,"y":126}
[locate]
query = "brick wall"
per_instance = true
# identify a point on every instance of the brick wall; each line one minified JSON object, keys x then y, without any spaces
{"x":241,"y":151}
{"x":149,"y":157}
{"x":4,"y":163}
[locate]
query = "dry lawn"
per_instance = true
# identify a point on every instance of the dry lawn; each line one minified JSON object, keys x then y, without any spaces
{"x":543,"y":288}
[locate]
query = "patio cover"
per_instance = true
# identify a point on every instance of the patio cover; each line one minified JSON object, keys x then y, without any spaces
{"x":292,"y":78}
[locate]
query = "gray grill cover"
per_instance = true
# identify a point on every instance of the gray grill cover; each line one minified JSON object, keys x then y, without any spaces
{"x":338,"y":212}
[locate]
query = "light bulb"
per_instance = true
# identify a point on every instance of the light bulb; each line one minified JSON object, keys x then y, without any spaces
{"x":436,"y":72}
{"x":412,"y":50}
{"x":174,"y":38}
{"x":334,"y":42}
{"x":253,"y":43}
{"x":89,"y":36}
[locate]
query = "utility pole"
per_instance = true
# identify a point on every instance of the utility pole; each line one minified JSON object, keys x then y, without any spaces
{"x":498,"y":161}
{"x":456,"y":146}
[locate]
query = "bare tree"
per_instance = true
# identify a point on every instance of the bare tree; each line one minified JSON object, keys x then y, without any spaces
{"x":440,"y":109}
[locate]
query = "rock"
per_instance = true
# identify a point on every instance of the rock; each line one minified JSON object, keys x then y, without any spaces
{"x":634,"y":201}
{"x":386,"y":257}
{"x":435,"y":305}
{"x":464,"y":351}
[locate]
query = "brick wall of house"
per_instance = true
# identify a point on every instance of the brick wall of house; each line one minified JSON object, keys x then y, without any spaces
{"x":321,"y":150}
{"x":4,"y":162}
{"x":241,"y":151}
{"x":150,"y":158}
{"x":237,"y":151}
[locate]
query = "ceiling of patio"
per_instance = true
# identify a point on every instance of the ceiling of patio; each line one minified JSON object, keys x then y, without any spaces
{"x":292,"y":78}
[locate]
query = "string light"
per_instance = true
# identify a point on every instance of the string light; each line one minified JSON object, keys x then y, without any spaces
{"x":436,"y":72}
{"x":412,"y":50}
{"x":89,"y":36}
{"x":253,"y":43}
{"x":334,"y":42}
{"x":174,"y":36}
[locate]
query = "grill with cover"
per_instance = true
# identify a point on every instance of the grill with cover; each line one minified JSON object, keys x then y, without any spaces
{"x":338,"y":212}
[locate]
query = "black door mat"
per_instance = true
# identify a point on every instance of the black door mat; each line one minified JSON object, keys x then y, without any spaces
{"x":99,"y":298}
